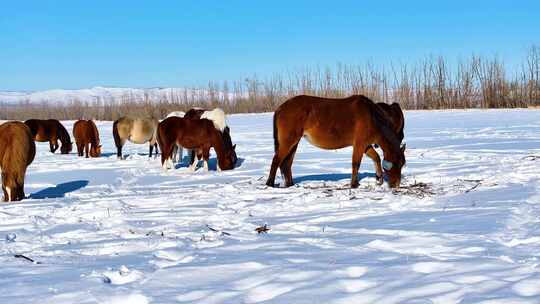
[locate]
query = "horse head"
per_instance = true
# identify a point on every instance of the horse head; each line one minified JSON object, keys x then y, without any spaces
{"x":392,"y":165}
{"x":95,"y":151}
{"x":66,"y":147}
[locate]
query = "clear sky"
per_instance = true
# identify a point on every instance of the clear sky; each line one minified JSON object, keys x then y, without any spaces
{"x":76,"y":44}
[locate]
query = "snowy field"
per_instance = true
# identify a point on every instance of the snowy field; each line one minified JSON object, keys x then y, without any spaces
{"x":465,"y":229}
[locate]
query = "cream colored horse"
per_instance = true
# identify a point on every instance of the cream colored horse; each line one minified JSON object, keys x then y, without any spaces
{"x":137,"y":130}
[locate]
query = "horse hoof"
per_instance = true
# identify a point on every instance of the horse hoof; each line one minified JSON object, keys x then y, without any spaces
{"x":270,"y":184}
{"x":380,"y":180}
{"x":354,"y":185}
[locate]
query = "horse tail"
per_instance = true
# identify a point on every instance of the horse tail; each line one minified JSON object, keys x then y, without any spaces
{"x":116,"y":135}
{"x":276,"y":140}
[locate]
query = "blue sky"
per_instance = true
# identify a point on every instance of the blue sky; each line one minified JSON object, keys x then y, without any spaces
{"x":77,"y":44}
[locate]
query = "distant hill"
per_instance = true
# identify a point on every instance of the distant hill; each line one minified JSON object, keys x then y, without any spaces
{"x":103,"y":94}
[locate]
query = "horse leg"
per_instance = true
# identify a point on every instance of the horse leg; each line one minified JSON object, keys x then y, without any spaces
{"x":155,"y":154}
{"x":180,"y":153}
{"x":192,"y":156}
{"x":206,"y":157}
{"x":119,"y":149}
{"x":283,"y":151}
{"x":174,"y":153}
{"x":151,"y":149}
{"x":166,"y":151}
{"x":53,"y":145}
{"x":86,"y":148}
{"x":371,"y":153}
{"x":286,"y":166}
{"x":194,"y":161}
{"x":6,"y":195}
{"x":358,"y":152}
{"x":79,"y":149}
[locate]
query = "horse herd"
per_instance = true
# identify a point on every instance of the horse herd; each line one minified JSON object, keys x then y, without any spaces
{"x":324,"y":122}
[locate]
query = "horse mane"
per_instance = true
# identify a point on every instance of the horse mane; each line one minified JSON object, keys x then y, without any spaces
{"x":63,"y":134}
{"x":384,"y":126}
{"x":95,"y":131}
{"x":217,"y":116}
{"x":397,"y":109}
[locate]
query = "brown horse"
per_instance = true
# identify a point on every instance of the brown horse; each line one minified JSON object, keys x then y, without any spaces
{"x":333,"y":124}
{"x":17,"y":151}
{"x":217,"y":116}
{"x":50,"y":130}
{"x":86,"y":135}
{"x":195,"y":134}
{"x":137,"y":130}
{"x":394,"y":115}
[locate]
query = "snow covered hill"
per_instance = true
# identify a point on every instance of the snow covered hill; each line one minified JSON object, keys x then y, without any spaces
{"x":102,"y":94}
{"x":465,"y":228}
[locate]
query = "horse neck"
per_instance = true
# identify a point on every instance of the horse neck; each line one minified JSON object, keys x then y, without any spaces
{"x":95,"y":137}
{"x":218,"y":144}
{"x":386,"y":138}
{"x":63,"y":134}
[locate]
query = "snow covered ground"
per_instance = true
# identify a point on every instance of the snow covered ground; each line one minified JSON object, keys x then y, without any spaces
{"x":124,"y":231}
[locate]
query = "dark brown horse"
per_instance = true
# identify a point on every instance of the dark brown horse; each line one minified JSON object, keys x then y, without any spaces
{"x":217,"y":116}
{"x":17,"y":151}
{"x":50,"y":130}
{"x":333,"y":124}
{"x":394,"y":115}
{"x":195,"y":134}
{"x":86,"y":138}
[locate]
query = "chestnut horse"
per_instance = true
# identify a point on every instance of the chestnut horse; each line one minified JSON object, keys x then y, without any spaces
{"x":217,"y":116}
{"x":333,"y":124}
{"x":195,"y":134}
{"x":17,"y":151}
{"x":394,"y":115}
{"x":136,"y":130}
{"x":86,"y":135}
{"x":50,"y":130}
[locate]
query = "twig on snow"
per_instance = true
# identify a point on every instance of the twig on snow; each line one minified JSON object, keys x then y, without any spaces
{"x":532,"y":157}
{"x":20,"y":256}
{"x":262,"y":229}
{"x":474,"y":187}
{"x":215,"y":230}
{"x":417,"y":189}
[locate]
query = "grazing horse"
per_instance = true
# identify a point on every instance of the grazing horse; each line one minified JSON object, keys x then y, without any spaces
{"x":86,"y":134}
{"x":136,"y":130}
{"x":333,"y":124}
{"x":195,"y":134}
{"x":217,"y":116}
{"x":50,"y":130}
{"x":17,"y":151}
{"x":394,"y":115}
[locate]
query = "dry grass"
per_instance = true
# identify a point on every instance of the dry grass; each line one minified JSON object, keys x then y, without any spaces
{"x":433,"y":83}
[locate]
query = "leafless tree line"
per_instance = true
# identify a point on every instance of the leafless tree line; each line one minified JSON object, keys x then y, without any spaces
{"x":433,"y":83}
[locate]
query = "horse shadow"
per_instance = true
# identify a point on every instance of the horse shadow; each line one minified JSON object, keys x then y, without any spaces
{"x":107,"y":154}
{"x":59,"y":190}
{"x":331,"y":177}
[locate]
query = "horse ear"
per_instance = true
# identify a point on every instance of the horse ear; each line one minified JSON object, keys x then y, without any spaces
{"x":234,"y":147}
{"x":403,"y":147}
